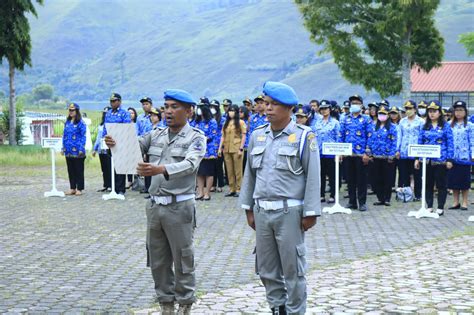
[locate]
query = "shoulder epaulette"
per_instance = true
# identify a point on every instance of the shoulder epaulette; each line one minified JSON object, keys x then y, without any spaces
{"x":262,"y":126}
{"x":198,"y":130}
{"x":304,"y":127}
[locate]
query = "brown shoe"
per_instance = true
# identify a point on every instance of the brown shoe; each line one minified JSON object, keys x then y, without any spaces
{"x":78,"y":193}
{"x":70,"y":193}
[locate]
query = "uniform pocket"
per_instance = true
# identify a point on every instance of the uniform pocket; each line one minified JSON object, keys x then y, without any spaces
{"x":256,"y":156}
{"x":154,"y":154}
{"x":287,"y":156}
{"x":187,"y":260}
{"x":301,"y":259}
{"x":178,"y":154}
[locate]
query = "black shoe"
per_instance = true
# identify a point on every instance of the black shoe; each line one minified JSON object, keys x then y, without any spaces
{"x":147,"y":197}
{"x":464,"y":208}
{"x":455,"y":207}
{"x":236,"y":195}
{"x":387,"y":204}
{"x":231,"y":194}
{"x":379,"y":203}
{"x":280,"y":311}
{"x":363,"y":208}
{"x":416,"y":199}
{"x":102,"y":190}
{"x":351,"y":206}
{"x":144,"y":191}
{"x":206,"y":198}
{"x":199,"y":198}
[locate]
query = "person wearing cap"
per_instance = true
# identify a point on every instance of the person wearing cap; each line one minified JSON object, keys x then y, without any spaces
{"x":345,"y":110}
{"x":116,"y":114}
{"x":208,"y":125}
{"x":247,"y":102}
{"x":335,"y":110}
{"x":280,"y":199}
{"x":302,"y":115}
{"x":175,"y":154}
{"x":394,"y":115}
{"x":258,"y":118}
{"x":459,"y":177}
{"x":373,"y":106}
{"x":143,"y":120}
{"x":327,"y":130}
{"x":74,"y":142}
{"x":226,"y":103}
{"x":355,"y":129}
{"x":436,"y":131}
{"x":104,"y":158}
{"x":315,"y":116}
{"x":219,"y":181}
{"x":232,"y":148}
{"x":422,"y":109}
{"x":382,"y":147}
{"x":408,"y":131}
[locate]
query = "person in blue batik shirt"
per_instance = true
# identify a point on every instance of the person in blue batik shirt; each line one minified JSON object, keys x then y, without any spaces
{"x":436,"y":131}
{"x":74,"y":142}
{"x":259,"y":118}
{"x":104,"y":158}
{"x":382,"y":145}
{"x":408,"y":130}
{"x":327,"y":131}
{"x":459,"y":177}
{"x":205,"y":176}
{"x":144,"y":125}
{"x":117,"y":115}
{"x":219,"y":178}
{"x":354,"y":129}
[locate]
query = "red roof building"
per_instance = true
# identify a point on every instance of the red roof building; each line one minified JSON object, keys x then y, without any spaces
{"x":452,"y":81}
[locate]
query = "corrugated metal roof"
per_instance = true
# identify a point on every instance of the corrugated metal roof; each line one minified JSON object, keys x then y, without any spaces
{"x":454,"y":76}
{"x":43,"y":116}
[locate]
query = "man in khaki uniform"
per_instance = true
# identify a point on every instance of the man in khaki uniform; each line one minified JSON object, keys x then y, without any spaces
{"x":175,"y":153}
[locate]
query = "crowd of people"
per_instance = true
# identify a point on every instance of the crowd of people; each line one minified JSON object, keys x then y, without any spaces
{"x":379,"y":132}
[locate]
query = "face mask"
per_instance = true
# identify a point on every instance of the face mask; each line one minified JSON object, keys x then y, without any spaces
{"x":213,"y":111}
{"x":422,"y":111}
{"x":410,"y":112}
{"x":382,"y":117}
{"x":231,"y":114}
{"x":199,"y":112}
{"x":355,"y":108}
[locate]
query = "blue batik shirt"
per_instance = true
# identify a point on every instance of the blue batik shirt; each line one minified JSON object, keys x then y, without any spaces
{"x":408,"y":131}
{"x":210,"y":131}
{"x":326,"y":132}
{"x":74,"y":138}
{"x":442,"y":136}
{"x":220,"y":125}
{"x":247,"y":135}
{"x":382,"y":142}
{"x":256,"y":120}
{"x":463,"y":138}
{"x":98,"y":147}
{"x":118,"y":115}
{"x":144,"y":124}
{"x":355,"y":130}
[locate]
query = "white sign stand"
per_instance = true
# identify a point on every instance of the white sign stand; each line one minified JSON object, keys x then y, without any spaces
{"x":424,"y":151}
{"x":54,"y":144}
{"x":471,"y":218}
{"x":338,"y":149}
{"x":113,"y":194}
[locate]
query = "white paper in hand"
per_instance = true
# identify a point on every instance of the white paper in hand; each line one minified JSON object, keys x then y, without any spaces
{"x":126,"y":151}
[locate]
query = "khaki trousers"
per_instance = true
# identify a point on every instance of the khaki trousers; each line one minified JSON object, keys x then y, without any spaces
{"x":233,"y":164}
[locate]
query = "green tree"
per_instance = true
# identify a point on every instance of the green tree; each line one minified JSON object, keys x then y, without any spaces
{"x":15,"y":47}
{"x":43,"y":92}
{"x":467,"y":39}
{"x":375,"y":43}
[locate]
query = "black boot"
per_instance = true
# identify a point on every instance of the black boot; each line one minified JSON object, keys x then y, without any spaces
{"x":280,"y":311}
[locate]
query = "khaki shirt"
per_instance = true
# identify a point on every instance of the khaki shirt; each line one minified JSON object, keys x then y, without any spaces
{"x":283,"y":167}
{"x":232,"y":140}
{"x":180,"y":156}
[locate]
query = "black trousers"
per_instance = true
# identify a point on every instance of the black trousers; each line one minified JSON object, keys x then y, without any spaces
{"x":244,"y":160}
{"x":356,"y":173}
{"x":105,"y":167}
{"x":219,"y":173}
{"x":75,"y":170}
{"x":436,"y":174}
{"x":119,"y":180}
{"x":406,"y":169}
{"x":372,"y":175}
{"x":328,"y":170}
{"x":383,"y":181}
{"x":147,"y":182}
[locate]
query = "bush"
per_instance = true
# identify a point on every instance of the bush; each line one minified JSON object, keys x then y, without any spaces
{"x":5,"y":123}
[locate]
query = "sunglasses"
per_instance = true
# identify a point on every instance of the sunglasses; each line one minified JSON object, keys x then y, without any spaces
{"x":72,"y":110}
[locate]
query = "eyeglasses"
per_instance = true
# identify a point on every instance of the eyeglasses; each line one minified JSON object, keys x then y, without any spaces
{"x":72,"y":110}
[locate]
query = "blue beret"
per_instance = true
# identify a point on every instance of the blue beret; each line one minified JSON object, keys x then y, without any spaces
{"x":74,"y":106}
{"x":281,"y":93}
{"x":179,"y":95}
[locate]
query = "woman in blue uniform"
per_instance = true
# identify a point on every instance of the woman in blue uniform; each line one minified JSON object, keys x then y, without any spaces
{"x":382,"y":147}
{"x":408,"y":131}
{"x":436,"y":131}
{"x":74,"y":142}
{"x":207,"y":124}
{"x":459,"y":177}
{"x":104,"y":158}
{"x":219,"y":182}
{"x":327,"y":130}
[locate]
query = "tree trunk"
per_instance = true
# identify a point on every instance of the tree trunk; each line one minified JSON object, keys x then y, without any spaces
{"x":12,"y":113}
{"x":406,"y":66}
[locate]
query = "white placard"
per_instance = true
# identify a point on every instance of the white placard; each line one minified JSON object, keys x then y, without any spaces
{"x":126,"y":152}
{"x":334,"y":148}
{"x":424,"y":150}
{"x":52,"y":143}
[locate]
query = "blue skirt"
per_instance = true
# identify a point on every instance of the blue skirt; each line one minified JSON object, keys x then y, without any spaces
{"x":459,"y":177}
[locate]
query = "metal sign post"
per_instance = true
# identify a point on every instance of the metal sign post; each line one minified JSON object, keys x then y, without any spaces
{"x":113,"y":194}
{"x":424,"y":151}
{"x":337,"y":149}
{"x":54,"y":145}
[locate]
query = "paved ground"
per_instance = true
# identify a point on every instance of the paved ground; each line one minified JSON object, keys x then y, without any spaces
{"x":82,"y":254}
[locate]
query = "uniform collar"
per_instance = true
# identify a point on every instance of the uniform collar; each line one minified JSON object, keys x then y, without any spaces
{"x":288,"y":129}
{"x":182,"y":132}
